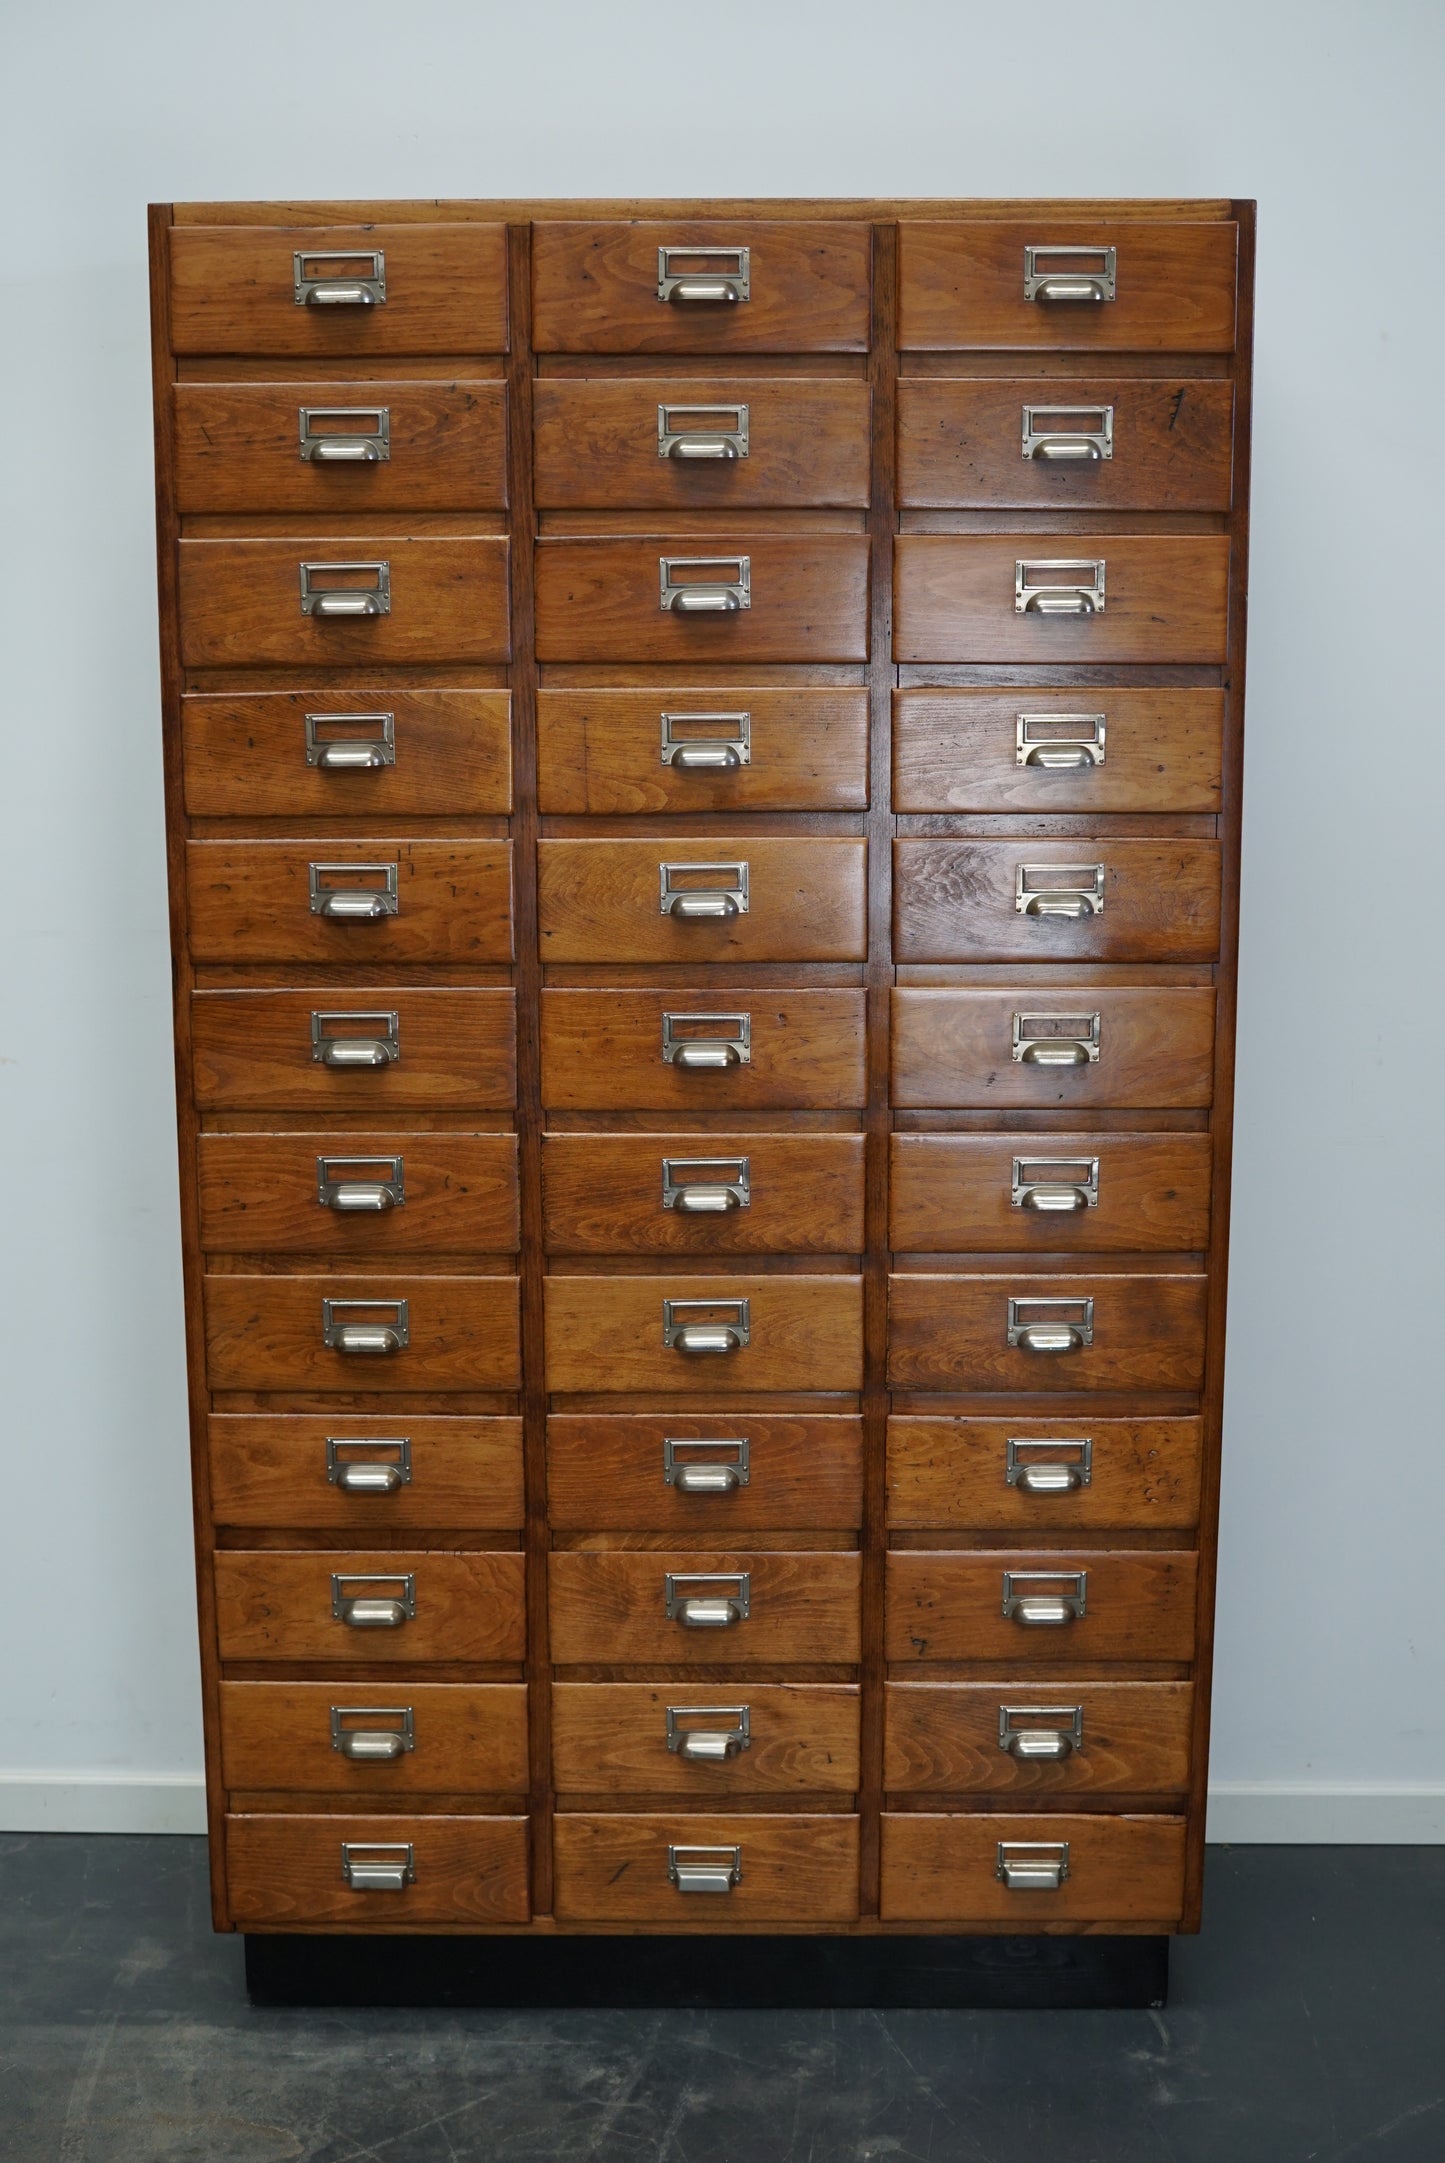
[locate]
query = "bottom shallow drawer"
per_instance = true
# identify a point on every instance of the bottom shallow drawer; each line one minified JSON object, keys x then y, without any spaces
{"x":1032,"y":1871}
{"x":376,"y":1873}
{"x":373,"y":1738}
{"x":682,"y":1871}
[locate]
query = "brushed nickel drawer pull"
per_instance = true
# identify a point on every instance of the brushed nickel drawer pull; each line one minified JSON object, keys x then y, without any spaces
{"x":373,"y":1475}
{"x":1050,"y":1325}
{"x":372,"y":1610}
{"x":360,"y":1197}
{"x":366,"y":1340}
{"x":321,"y":595}
{"x":1055,"y":1474}
{"x":1060,"y":743}
{"x":351,"y":752}
{"x":346,"y":290}
{"x":1054,"y":444}
{"x":706,"y":1186}
{"x":704,"y":1474}
{"x":727,"y":745}
{"x":704,"y":597}
{"x":1041,"y":1609}
{"x":373,"y":1049}
{"x":698,"y":432}
{"x":725,"y":275}
{"x":1069,"y":274}
{"x":710,"y":1336}
{"x":1069,"y":891}
{"x":1059,"y":586}
{"x":354,"y":903}
{"x":345,"y":446}
{"x":709,"y":1745}
{"x":1032,"y":1866}
{"x":708,"y":1610}
{"x":1056,"y":1039}
{"x":705,"y":1870}
{"x":378,"y":1866}
{"x":1055,"y":1186}
{"x":733,"y":1046}
{"x":373,"y":1745}
{"x":1034,"y":1745}
{"x":703,"y":904}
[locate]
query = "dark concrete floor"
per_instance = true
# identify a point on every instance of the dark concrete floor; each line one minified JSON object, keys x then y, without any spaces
{"x":1305,"y":2026}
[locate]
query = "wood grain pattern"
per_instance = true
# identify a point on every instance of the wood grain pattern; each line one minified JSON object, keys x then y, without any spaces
{"x":606,"y":1333}
{"x":957,"y":900}
{"x":285,"y":1872}
{"x":602,"y":1051}
{"x":271,"y":1469}
{"x":954,"y":1047}
{"x":605,"y":1472}
{"x":245,"y":754}
{"x":950,"y":1607}
{"x":943,"y":1737}
{"x":957,"y":750}
{"x":1127,"y":1870}
{"x":952,"y":1193}
{"x":259,"y":1193}
{"x":599,"y":600}
{"x":252,"y":1050}
{"x":611,"y":1738}
{"x":601,"y":900}
{"x":795,"y":1869}
{"x":611,"y":1607}
{"x":251,"y":901}
{"x":600,"y":751}
{"x":597,"y":443}
{"x":277,"y":1736}
{"x":1144,"y":1473}
{"x":603,"y":1193}
{"x":265,"y":1332}
{"x":278,"y":1606}
{"x":951,"y":1333}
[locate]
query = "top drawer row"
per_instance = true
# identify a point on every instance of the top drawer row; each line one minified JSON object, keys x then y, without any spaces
{"x":691,"y":287}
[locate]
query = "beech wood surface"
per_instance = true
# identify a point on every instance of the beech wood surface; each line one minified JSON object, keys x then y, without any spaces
{"x":954,"y":1046}
{"x":278,"y":1606}
{"x":602,"y":1193}
{"x":277,"y":1736}
{"x":950,"y":1332}
{"x":265,"y":1332}
{"x":271,"y":1469}
{"x":253,"y":1049}
{"x":285,"y":1872}
{"x":245,"y":754}
{"x":950,"y":1607}
{"x":602,"y":1051}
{"x":943,"y":1737}
{"x":795,"y":1869}
{"x":607,"y":1333}
{"x":601,"y":751}
{"x":601,"y":900}
{"x":260,"y":1192}
{"x":1127,"y":1870}
{"x":951,"y":1472}
{"x":957,"y":750}
{"x":611,"y":1738}
{"x":251,"y":901}
{"x":612,"y":1607}
{"x":957,"y":901}
{"x":952,"y":1193}
{"x":600,"y":600}
{"x":605,"y":1472}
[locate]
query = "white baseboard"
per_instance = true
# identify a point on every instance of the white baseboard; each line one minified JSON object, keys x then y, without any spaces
{"x":102,"y":1802}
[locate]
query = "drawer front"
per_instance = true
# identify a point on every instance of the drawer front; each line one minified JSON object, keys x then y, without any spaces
{"x":335,"y":1472}
{"x":451,"y":1050}
{"x":1065,"y":443}
{"x":689,"y":1474}
{"x":613,"y":1607}
{"x":1120,"y":1869}
{"x":772,"y":898}
{"x":1165,"y":597}
{"x":270,"y":1332}
{"x":1088,"y":1047}
{"x":1127,"y":1332}
{"x":965,"y":287}
{"x":290,"y":1872}
{"x":1120,"y":1738}
{"x":763,"y":1050}
{"x":1049,"y":900}
{"x":234,"y":289}
{"x":700,"y":442}
{"x":597,"y":288}
{"x":1100,"y":749}
{"x":282,"y":1606}
{"x":788,"y":1333}
{"x":631,"y":1738}
{"x":1089,"y":1606}
{"x":787,"y":1869}
{"x":1049,"y":1193}
{"x":441,"y":754}
{"x":361,"y":1195}
{"x":798,"y":598}
{"x":798,"y":748}
{"x":1045,"y":1475}
{"x":241,"y":602}
{"x":711,"y":1193}
{"x":450,"y":1737}
{"x":272,"y":900}
{"x":348,"y":448}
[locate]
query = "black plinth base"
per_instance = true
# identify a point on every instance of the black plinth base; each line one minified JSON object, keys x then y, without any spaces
{"x":984,"y":1972}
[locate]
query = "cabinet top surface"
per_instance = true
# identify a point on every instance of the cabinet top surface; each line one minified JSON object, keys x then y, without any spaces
{"x":522,"y":209}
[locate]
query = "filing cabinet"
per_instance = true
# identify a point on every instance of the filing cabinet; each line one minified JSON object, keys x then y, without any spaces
{"x":703,"y":768}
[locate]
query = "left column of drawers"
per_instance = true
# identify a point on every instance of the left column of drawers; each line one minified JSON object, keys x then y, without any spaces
{"x":339,"y":425}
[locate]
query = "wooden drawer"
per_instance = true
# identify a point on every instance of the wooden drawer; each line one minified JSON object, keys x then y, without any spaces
{"x":945,"y":1737}
{"x":281,"y":1606}
{"x":612,"y":1738}
{"x":1166,"y":597}
{"x":792,"y":1050}
{"x":963,"y":750}
{"x":1122,"y":1870}
{"x":601,"y":444}
{"x":250,"y":755}
{"x":280,"y":1737}
{"x":262,"y":1192}
{"x":268,"y":1332}
{"x":260,"y":900}
{"x":233,"y":289}
{"x":276,"y":1469}
{"x":453,"y":1050}
{"x":608,"y":1333}
{"x":1162,"y":444}
{"x":241,"y":601}
{"x":1149,"y":900}
{"x":794,"y":898}
{"x":287,"y":1873}
{"x":1139,"y":1473}
{"x":595,"y":287}
{"x":627,"y":1193}
{"x":953,"y":1193}
{"x":612,"y":1607}
{"x":602,"y":751}
{"x":600,"y":600}
{"x":1142,"y":1048}
{"x":791,"y":1869}
{"x":609,"y":1472}
{"x":241,"y":446}
{"x":952,"y":1606}
{"x":962,"y":286}
{"x":952,"y":1333}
